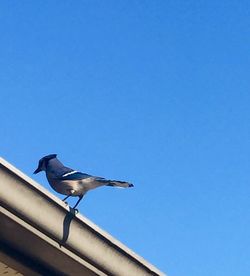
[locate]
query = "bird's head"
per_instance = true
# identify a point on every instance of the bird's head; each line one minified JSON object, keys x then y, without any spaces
{"x":43,"y":162}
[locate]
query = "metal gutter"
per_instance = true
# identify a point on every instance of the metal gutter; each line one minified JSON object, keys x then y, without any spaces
{"x":42,"y":228}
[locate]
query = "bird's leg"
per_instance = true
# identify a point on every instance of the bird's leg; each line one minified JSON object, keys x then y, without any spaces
{"x":66,"y":197}
{"x":71,"y":191}
{"x":80,"y":198}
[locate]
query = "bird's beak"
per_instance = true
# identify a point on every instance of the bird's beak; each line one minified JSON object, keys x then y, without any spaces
{"x":37,"y":170}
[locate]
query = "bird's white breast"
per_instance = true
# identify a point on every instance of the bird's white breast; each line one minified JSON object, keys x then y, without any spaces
{"x":74,"y":187}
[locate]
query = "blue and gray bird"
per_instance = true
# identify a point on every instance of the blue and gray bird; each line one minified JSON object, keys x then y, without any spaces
{"x":70,"y":182}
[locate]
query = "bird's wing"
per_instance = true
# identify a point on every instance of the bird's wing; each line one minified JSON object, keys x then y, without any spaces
{"x":74,"y":175}
{"x":58,"y":172}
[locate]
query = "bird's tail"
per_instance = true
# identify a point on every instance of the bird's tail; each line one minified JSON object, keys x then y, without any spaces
{"x":121,"y":184}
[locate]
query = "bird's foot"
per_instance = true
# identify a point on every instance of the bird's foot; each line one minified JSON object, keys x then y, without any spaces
{"x":76,"y":211}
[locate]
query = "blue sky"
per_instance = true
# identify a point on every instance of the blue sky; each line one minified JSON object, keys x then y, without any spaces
{"x":153,"y":92}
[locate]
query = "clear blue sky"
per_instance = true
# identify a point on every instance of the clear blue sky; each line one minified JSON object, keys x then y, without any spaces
{"x":153,"y":92}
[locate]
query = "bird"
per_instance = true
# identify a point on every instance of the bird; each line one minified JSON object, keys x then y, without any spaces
{"x":69,"y":182}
